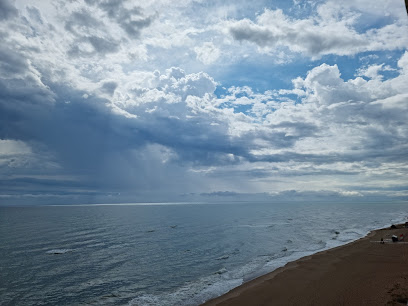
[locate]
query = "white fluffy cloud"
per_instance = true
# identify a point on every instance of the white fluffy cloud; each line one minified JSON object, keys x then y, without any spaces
{"x":207,"y":53}
{"x":160,"y":93}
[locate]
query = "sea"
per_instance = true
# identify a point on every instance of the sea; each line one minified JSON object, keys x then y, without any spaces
{"x":165,"y":253}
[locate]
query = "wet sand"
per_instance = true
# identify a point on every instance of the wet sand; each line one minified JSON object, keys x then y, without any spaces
{"x":364,"y":272}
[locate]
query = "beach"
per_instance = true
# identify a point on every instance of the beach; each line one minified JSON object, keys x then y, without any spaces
{"x":363,"y":272}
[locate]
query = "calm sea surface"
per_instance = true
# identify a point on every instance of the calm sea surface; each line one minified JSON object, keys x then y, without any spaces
{"x":166,"y":254}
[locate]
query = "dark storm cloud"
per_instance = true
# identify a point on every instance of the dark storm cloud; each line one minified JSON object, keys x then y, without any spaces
{"x":21,"y":93}
{"x":220,"y":194}
{"x":79,"y":134}
{"x":17,"y":80}
{"x":83,"y":25}
{"x":102,"y":45}
{"x":86,"y":139}
{"x":7,"y":10}
{"x":99,"y":45}
{"x":296,"y":195}
{"x":195,"y":142}
{"x":217,"y":149}
{"x":276,"y":139}
{"x":108,"y":150}
{"x":270,"y":173}
{"x":313,"y":43}
{"x":81,"y":21}
{"x":375,"y":156}
{"x":133,"y":26}
{"x":11,"y":62}
{"x":326,"y":33}
{"x":132,"y":21}
{"x":35,"y":14}
{"x":298,"y":129}
{"x":260,"y":37}
{"x":39,"y":185}
{"x":109,"y":87}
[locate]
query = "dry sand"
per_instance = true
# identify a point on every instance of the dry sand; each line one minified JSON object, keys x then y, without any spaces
{"x":363,"y":272}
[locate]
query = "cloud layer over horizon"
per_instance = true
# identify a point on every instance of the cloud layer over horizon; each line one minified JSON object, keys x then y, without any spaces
{"x":114,"y":101}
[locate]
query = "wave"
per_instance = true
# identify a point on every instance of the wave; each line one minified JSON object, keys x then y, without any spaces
{"x":195,"y":293}
{"x":224,"y":280}
{"x":59,"y":251}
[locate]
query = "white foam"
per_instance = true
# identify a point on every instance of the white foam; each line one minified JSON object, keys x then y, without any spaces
{"x":221,"y":271}
{"x":194,"y":293}
{"x":59,"y":251}
{"x":351,"y":235}
{"x":223,"y":257}
{"x":217,"y":289}
{"x":146,"y":300}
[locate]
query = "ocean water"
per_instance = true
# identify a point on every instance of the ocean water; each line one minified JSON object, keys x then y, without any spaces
{"x":169,"y":254}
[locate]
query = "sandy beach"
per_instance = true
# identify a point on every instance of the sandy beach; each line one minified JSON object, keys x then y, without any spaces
{"x":364,"y":272}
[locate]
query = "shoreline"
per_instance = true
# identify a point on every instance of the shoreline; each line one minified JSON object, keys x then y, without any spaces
{"x":361,"y":272}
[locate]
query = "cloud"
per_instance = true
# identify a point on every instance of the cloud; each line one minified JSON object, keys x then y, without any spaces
{"x":89,"y":46}
{"x":160,"y":91}
{"x":104,"y":122}
{"x":133,"y":26}
{"x":80,"y":21}
{"x":35,"y":14}
{"x":91,"y":35}
{"x":131,"y":20}
{"x":14,"y":153}
{"x":338,"y":120}
{"x":100,"y":28}
{"x":7,"y":10}
{"x":109,"y":87}
{"x":330,"y":32}
{"x":22,"y":92}
{"x":207,"y":53}
{"x":296,"y":195}
{"x":11,"y":63}
{"x":13,"y":147}
{"x":180,"y":124}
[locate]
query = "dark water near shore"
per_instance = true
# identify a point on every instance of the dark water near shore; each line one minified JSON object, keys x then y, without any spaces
{"x":165,"y":254}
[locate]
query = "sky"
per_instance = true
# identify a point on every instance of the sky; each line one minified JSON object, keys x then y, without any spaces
{"x":106,"y":101}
